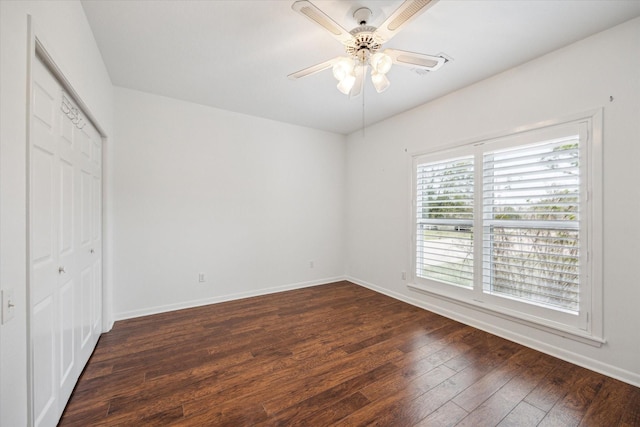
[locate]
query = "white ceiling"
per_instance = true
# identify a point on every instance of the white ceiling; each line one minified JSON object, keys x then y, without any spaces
{"x":236,"y":55}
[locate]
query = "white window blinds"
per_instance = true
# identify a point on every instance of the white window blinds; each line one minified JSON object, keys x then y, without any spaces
{"x":531,"y":212}
{"x":513,"y":225}
{"x":444,"y":234}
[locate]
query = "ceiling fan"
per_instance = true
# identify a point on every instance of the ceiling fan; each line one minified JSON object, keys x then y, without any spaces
{"x":363,"y":47}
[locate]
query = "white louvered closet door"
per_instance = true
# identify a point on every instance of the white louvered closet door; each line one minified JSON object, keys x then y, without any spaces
{"x":65,"y":285}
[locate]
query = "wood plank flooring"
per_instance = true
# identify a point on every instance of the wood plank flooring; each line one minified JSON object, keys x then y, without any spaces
{"x":336,"y":354}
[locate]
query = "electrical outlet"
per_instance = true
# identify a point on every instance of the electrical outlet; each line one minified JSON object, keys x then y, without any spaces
{"x":8,"y":305}
{"x":403,"y":275}
{"x":201,"y":278}
{"x":311,"y":265}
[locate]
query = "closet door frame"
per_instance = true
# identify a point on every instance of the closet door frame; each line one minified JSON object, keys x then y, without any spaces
{"x":38,"y":52}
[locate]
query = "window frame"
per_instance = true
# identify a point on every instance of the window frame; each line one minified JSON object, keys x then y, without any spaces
{"x":587,"y":325}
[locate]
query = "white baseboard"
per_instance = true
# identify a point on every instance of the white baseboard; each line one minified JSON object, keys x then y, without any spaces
{"x":569,"y":356}
{"x":222,"y":298}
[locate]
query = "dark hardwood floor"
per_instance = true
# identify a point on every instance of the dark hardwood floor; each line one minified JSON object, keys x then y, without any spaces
{"x":337,"y":354}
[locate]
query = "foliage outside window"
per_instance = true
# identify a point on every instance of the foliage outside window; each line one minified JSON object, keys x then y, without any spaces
{"x":505,"y":223}
{"x":531,"y":200}
{"x":445,"y":221}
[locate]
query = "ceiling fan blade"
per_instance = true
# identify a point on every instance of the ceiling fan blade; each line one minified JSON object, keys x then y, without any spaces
{"x":314,"y":69}
{"x":361,"y":72}
{"x":402,"y":16}
{"x":309,"y":10}
{"x":415,"y":60}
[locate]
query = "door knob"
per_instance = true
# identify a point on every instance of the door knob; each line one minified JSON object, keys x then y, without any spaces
{"x":61,"y":269}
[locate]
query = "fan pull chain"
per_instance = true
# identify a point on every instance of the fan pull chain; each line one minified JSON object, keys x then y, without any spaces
{"x":363,"y":91}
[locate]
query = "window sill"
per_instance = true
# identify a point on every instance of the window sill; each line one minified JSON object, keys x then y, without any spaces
{"x":565,"y":332}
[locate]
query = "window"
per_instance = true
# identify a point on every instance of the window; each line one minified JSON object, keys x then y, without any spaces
{"x":509,"y":224}
{"x":445,"y":201}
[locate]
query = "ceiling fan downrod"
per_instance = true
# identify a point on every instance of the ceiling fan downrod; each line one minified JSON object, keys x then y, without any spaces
{"x":362,"y":15}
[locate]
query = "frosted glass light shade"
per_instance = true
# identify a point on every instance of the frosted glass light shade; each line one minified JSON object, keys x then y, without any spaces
{"x":381,"y":62}
{"x":380,"y":81}
{"x":343,"y":68}
{"x":346,"y":83}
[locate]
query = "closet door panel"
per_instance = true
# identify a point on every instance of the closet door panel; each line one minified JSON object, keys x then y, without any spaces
{"x":96,"y":292}
{"x":96,"y":232}
{"x":85,"y":209}
{"x":66,"y":208}
{"x":86,"y":285}
{"x":44,"y":187}
{"x":65,"y":284}
{"x":43,"y":335}
{"x":43,"y":227}
{"x":67,"y":338}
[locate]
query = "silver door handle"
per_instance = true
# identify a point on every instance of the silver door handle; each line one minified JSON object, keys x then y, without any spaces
{"x":61,"y":270}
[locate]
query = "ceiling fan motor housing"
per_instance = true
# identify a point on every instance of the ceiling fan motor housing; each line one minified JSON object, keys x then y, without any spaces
{"x":365,"y":43}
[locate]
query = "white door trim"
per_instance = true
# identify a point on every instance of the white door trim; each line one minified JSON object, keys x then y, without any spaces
{"x":37,"y":51}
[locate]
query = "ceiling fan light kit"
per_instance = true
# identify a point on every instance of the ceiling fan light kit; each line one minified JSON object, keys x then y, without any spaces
{"x":380,"y":81}
{"x":343,"y":67}
{"x":346,"y":83}
{"x":381,"y":62}
{"x":363,"y":44}
{"x":344,"y":72}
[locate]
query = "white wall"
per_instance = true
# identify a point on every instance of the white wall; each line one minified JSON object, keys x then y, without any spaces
{"x":251,"y":202}
{"x":576,"y":79}
{"x":65,"y":33}
{"x":247,"y":201}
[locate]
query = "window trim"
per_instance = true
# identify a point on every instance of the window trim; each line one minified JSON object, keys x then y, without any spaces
{"x":589,"y":327}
